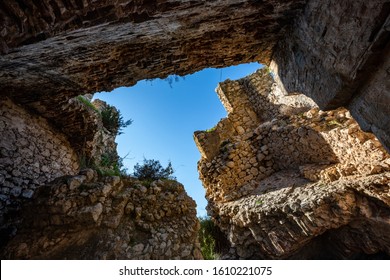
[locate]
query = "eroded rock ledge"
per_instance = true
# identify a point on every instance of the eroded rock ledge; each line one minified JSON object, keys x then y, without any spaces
{"x":286,"y":180}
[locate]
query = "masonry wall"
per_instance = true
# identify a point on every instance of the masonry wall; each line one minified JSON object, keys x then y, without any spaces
{"x":90,"y":217}
{"x":83,"y":215}
{"x":239,"y":151}
{"x":278,"y":172}
{"x":32,"y":153}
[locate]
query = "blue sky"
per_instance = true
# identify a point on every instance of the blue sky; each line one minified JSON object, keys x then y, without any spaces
{"x":165,"y":117}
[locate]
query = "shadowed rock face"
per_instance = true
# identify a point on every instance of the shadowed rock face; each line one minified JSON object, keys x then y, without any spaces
{"x":27,"y":21}
{"x":286,"y":180}
{"x":337,"y":52}
{"x":99,"y":46}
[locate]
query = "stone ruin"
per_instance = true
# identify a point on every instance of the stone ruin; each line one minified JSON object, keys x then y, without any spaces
{"x":54,"y":206}
{"x":283,"y":177}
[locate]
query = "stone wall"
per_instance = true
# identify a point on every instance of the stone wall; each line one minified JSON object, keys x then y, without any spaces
{"x":240,"y":162}
{"x":46,"y":215}
{"x":92,"y":217}
{"x":280,"y":152}
{"x":32,"y":152}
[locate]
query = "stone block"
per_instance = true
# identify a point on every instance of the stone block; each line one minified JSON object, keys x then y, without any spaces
{"x":27,"y":194}
{"x":16,"y":191}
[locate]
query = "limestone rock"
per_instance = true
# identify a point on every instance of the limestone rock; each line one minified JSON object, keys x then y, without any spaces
{"x":304,"y":177}
{"x":337,"y":60}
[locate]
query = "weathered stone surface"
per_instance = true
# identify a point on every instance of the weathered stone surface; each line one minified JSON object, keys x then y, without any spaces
{"x":337,"y":52}
{"x":295,"y":178}
{"x":98,"y":220}
{"x":102,"y":45}
{"x":280,"y":223}
{"x":32,"y":153}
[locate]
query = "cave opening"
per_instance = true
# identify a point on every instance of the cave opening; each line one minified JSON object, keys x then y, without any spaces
{"x":97,"y":46}
{"x":165,"y":114}
{"x":339,"y":244}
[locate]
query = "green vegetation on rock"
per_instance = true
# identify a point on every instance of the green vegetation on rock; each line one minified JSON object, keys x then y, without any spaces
{"x":207,"y":238}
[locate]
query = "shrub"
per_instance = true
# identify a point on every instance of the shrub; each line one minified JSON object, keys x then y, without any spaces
{"x":211,"y":129}
{"x":113,"y":120}
{"x":152,"y":170}
{"x":110,"y":164}
{"x":111,"y":117}
{"x":108,"y":160}
{"x":207,"y":233}
{"x":87,"y":103}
